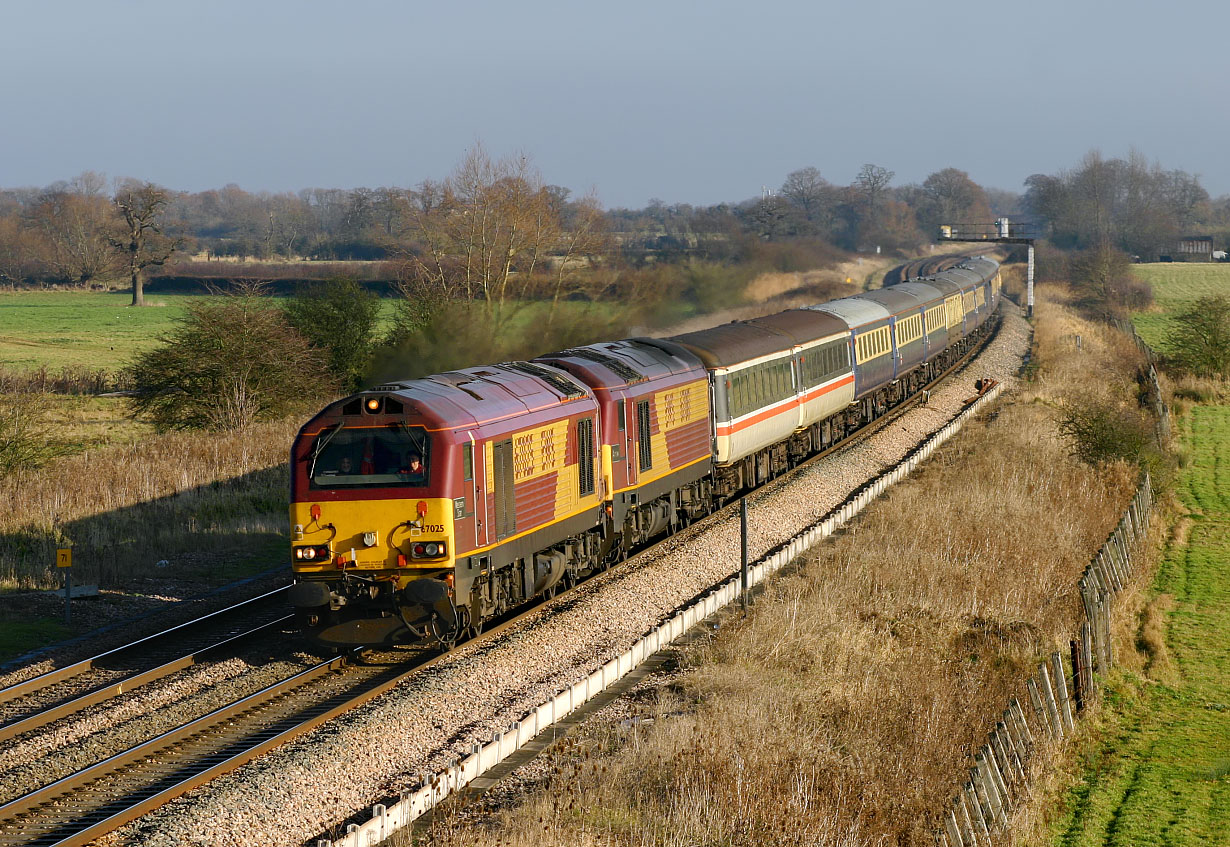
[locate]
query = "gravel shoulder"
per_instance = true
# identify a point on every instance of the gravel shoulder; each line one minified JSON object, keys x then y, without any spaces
{"x":375,"y":753}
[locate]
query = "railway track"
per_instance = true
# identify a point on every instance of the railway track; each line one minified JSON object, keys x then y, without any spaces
{"x":104,"y":796}
{"x":922,"y":268}
{"x":65,"y":691}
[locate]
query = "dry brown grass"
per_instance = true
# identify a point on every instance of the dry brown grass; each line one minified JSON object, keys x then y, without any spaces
{"x":845,"y":708}
{"x":197,"y":501}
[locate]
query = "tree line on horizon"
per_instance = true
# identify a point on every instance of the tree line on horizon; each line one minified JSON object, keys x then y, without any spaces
{"x":494,"y":229}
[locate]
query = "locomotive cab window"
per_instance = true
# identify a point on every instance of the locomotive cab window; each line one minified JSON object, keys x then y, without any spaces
{"x":395,"y":456}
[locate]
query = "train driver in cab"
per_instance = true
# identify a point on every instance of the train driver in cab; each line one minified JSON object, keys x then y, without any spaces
{"x":413,"y":470}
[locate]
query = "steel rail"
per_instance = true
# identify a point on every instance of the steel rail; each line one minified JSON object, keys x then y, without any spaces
{"x":129,"y":683}
{"x":79,"y":826}
{"x":37,"y":683}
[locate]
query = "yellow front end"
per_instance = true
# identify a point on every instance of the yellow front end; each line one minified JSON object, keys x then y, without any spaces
{"x":370,"y":572}
{"x":381,"y":538}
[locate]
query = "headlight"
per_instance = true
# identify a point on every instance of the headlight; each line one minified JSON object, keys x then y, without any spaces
{"x":311,"y":554}
{"x":428,"y":549}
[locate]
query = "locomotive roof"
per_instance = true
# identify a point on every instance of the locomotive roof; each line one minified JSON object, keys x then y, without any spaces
{"x":732,"y":343}
{"x":471,"y":396}
{"x":624,"y":362}
{"x":854,"y":311}
{"x":802,"y":325}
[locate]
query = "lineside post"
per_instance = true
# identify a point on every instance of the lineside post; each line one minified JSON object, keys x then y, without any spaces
{"x":743,"y":552}
{"x":64,"y":561}
{"x":1029,"y":283}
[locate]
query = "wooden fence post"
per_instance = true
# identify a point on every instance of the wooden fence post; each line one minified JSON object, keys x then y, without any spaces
{"x":950,"y":827}
{"x":1048,"y":700}
{"x":1087,"y":659}
{"x":1017,"y":735}
{"x":974,"y":810}
{"x":997,"y":777}
{"x":1078,"y":675}
{"x":985,"y":781}
{"x":1099,"y":633}
{"x":1061,"y":689}
{"x":1036,"y":700}
{"x":1008,"y":747}
{"x":1107,"y":604}
{"x":1014,"y":705}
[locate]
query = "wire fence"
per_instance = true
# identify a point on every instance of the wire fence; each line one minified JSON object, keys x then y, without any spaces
{"x":1057,"y":694}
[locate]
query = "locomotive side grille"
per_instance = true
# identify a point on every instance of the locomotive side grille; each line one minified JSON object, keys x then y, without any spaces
{"x":555,"y":379}
{"x":629,"y":375}
{"x":644,"y":445}
{"x":585,"y":455}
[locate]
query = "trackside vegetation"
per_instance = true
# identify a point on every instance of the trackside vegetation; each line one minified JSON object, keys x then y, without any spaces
{"x":843,"y":709}
{"x":1155,"y":769}
{"x":1154,"y":765}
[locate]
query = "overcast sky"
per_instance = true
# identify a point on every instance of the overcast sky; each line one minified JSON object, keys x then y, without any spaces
{"x":695,"y":102}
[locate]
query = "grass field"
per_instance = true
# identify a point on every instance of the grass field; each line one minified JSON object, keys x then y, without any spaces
{"x":1174,"y":286}
{"x":101,"y":331}
{"x":1159,"y":770}
{"x":98,"y":330}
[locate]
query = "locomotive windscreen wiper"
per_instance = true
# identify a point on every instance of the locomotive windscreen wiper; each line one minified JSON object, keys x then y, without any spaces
{"x":322,"y":442}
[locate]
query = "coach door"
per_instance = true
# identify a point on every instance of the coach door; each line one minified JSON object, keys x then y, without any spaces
{"x":505,"y":499}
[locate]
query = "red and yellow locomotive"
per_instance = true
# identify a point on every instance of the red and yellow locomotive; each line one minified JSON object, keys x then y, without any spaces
{"x":420,"y":509}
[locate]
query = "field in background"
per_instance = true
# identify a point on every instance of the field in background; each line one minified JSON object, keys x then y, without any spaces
{"x":96,"y":330}
{"x":1174,"y":286}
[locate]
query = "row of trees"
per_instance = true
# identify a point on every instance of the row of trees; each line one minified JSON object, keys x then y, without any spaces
{"x":496,"y":218}
{"x":1130,"y":204}
{"x":868,"y":213}
{"x":79,"y":234}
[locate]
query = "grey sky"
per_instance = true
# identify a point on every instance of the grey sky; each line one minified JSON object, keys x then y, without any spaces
{"x":695,"y":102}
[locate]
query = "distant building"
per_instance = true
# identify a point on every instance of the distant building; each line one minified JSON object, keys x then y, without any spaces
{"x":1191,"y":248}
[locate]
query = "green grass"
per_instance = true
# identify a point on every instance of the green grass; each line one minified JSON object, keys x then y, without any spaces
{"x":80,"y":328}
{"x":1160,"y":770}
{"x":1174,"y":286}
{"x":21,"y":636}
{"x":99,"y":330}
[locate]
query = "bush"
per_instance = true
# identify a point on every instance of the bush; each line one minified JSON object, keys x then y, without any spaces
{"x":1103,"y":275}
{"x":23,"y":432}
{"x":1102,"y":432}
{"x":231,"y":362}
{"x":1200,"y":342}
{"x":338,"y":317}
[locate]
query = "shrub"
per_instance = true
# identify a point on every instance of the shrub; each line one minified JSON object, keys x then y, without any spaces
{"x":1200,"y":341}
{"x":338,"y":317}
{"x":23,"y":432}
{"x":1102,"y":432}
{"x":231,"y":362}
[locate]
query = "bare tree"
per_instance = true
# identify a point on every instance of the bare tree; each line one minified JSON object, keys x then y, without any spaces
{"x":583,"y":238}
{"x":949,"y":196}
{"x":811,"y":194}
{"x":141,"y":242}
{"x":76,"y":226}
{"x":873,"y":182}
{"x":485,"y":231}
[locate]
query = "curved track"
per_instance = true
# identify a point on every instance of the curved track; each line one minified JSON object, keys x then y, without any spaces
{"x":922,"y":268}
